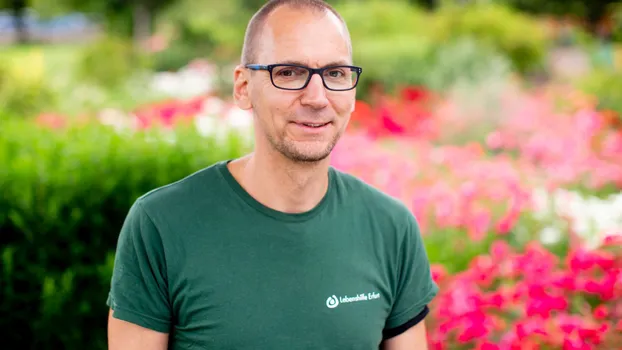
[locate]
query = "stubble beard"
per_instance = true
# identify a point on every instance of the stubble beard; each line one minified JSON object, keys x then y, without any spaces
{"x":298,"y":154}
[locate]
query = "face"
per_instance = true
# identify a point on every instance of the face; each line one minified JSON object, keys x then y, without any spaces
{"x":287,"y":121}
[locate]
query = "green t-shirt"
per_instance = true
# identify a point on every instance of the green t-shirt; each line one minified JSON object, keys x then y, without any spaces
{"x":204,"y":261}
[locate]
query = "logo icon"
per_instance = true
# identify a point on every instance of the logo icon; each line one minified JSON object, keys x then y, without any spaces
{"x":332,"y":302}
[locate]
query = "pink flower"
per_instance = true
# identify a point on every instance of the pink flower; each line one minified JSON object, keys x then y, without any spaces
{"x":486,"y":345}
{"x":601,"y":312}
{"x":542,"y":303}
{"x":494,"y":140}
{"x":529,"y":327}
{"x":583,"y":259}
{"x":438,"y":272}
{"x":478,"y":225}
{"x":500,"y":250}
{"x":473,"y":327}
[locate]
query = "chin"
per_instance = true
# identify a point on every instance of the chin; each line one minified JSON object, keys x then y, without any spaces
{"x":308,"y":158}
{"x":309,"y":154}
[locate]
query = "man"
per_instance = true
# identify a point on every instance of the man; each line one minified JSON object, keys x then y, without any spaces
{"x":275,"y":250}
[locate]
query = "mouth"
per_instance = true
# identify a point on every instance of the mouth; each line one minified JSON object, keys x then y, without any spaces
{"x":314,"y":125}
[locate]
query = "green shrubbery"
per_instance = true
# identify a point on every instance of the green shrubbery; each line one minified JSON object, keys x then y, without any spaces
{"x":110,"y":61}
{"x":65,"y":194}
{"x":522,"y":39}
{"x":23,"y":87}
{"x":395,"y":42}
{"x":606,"y":86}
{"x":400,"y":44}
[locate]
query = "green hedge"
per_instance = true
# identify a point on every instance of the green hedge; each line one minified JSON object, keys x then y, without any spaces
{"x":65,"y":194}
{"x":606,"y":86}
{"x":522,"y":39}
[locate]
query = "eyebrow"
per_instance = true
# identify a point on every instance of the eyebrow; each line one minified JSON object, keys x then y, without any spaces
{"x":300,"y":63}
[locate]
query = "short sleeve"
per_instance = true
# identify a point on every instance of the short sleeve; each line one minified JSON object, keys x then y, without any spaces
{"x":138,"y":290}
{"x":415,"y":286}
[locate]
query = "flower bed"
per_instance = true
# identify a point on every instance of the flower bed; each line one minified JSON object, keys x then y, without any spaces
{"x":483,"y":206}
{"x":531,"y":299}
{"x":504,"y":284}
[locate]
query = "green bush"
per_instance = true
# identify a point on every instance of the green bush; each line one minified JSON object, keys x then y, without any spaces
{"x":65,"y":194}
{"x":24,"y":90}
{"x":606,"y":86}
{"x":440,"y":68}
{"x":207,"y":29}
{"x":391,"y":62}
{"x":386,"y":35}
{"x":523,"y":39}
{"x":384,"y":19}
{"x":109,"y":61}
{"x":399,"y":44}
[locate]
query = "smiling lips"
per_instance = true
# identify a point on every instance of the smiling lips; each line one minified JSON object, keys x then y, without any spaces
{"x":311,"y":126}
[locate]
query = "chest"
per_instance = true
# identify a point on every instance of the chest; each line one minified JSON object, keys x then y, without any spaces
{"x":262,"y":290}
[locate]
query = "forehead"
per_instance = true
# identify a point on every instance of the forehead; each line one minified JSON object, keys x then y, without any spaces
{"x":301,"y":35}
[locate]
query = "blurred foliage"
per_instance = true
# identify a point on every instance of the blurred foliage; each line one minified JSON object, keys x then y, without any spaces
{"x":398,"y":44}
{"x":522,"y":39}
{"x":65,"y":194}
{"x":387,"y":19}
{"x":389,"y":42}
{"x":23,"y":87}
{"x":208,"y":29}
{"x":395,"y":42}
{"x":464,"y":61}
{"x":117,"y":16}
{"x":74,"y":80}
{"x":616,"y":18}
{"x":592,"y":11}
{"x":109,"y":61}
{"x":606,"y":86}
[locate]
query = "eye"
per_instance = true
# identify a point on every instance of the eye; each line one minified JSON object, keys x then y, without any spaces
{"x":336,"y":73}
{"x":291,"y":72}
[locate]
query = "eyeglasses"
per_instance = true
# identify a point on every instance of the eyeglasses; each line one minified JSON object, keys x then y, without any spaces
{"x":297,"y":77}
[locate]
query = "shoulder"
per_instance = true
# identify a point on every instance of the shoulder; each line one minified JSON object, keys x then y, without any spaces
{"x":375,"y":203}
{"x":180,"y":198}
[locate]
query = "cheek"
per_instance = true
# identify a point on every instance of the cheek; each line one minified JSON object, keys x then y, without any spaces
{"x":344,"y":107}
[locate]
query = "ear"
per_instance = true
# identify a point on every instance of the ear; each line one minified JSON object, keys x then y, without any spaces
{"x":240,"y":88}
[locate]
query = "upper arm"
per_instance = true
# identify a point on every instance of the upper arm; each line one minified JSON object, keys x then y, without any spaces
{"x":413,"y":339}
{"x":123,"y":335}
{"x":414,"y":289}
{"x":140,"y":312}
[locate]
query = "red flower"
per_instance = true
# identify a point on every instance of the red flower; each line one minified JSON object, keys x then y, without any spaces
{"x":414,"y":93}
{"x":601,"y":312}
{"x":486,"y":345}
{"x":582,"y":260}
{"x":542,"y":303}
{"x":473,"y":327}
{"x":51,"y":120}
{"x":438,"y":272}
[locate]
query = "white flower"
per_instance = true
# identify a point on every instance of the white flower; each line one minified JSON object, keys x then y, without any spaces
{"x":590,"y":217}
{"x":212,"y":106}
{"x":239,"y":119}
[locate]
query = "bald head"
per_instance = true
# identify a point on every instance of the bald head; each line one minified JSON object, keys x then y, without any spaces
{"x":277,"y":14}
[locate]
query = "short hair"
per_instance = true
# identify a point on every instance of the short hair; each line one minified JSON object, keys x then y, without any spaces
{"x":256,"y":23}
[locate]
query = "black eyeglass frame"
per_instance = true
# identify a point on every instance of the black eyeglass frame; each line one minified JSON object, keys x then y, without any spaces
{"x":312,"y":71}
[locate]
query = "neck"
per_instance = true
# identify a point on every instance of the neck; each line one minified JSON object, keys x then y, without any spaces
{"x":281,"y":184}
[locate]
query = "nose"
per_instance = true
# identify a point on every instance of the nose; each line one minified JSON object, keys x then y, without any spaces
{"x":314,"y":95}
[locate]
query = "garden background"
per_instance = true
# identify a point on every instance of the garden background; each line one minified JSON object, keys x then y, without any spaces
{"x":499,"y":123}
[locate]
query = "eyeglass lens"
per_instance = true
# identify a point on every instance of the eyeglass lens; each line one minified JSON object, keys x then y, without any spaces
{"x":338,"y":78}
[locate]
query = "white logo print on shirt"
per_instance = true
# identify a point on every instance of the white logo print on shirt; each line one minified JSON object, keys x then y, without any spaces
{"x":332,"y":302}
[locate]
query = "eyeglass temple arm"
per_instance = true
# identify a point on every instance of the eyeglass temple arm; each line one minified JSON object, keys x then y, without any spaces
{"x":256,"y":67}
